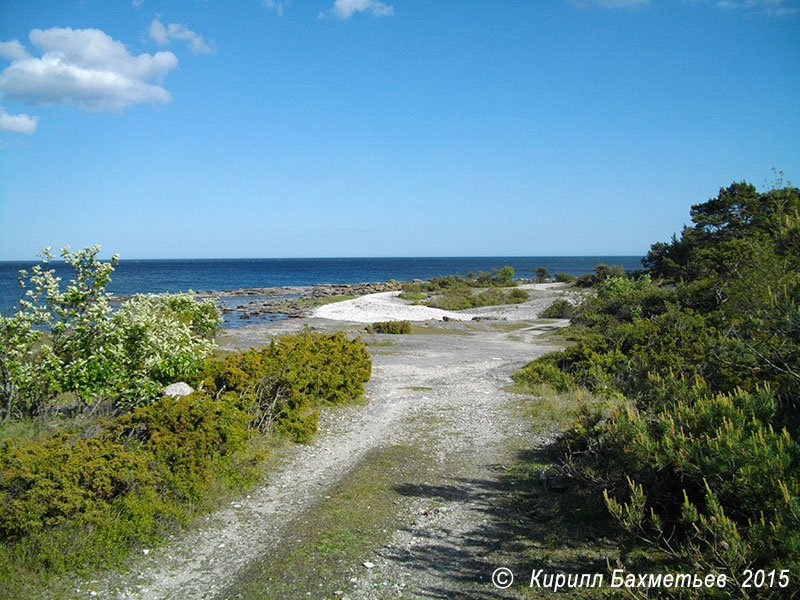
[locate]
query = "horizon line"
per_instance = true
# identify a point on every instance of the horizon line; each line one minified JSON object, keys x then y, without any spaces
{"x":59,"y":259}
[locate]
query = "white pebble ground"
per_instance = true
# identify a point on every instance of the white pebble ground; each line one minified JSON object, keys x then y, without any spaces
{"x":387,"y":306}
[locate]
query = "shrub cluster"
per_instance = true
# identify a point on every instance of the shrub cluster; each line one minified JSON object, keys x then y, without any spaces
{"x":454,"y":292}
{"x":85,"y":496}
{"x":565,"y":277}
{"x":69,"y":344}
{"x":560,"y":309}
{"x":396,"y":327}
{"x":699,"y":461}
{"x":495,"y":278}
{"x":283,"y":384}
{"x":463,"y":298}
{"x":599,"y":273}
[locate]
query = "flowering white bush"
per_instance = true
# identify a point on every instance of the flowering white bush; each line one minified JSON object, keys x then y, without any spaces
{"x":72,"y":342}
{"x":160,"y":339}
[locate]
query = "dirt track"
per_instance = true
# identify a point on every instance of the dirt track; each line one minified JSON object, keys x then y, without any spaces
{"x":438,"y":428}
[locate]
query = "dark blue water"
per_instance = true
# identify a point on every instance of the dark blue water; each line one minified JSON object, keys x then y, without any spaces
{"x":180,"y":275}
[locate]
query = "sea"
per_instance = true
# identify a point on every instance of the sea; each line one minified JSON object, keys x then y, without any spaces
{"x":181,"y":275}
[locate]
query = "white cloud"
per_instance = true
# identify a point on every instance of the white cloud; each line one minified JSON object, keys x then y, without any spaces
{"x":13,"y":50}
{"x":138,"y":3}
{"x":17,"y":123}
{"x":158,"y":32}
{"x":778,"y":8}
{"x":272,"y":5}
{"x":175,"y":31}
{"x":344,"y":9}
{"x":85,"y":68}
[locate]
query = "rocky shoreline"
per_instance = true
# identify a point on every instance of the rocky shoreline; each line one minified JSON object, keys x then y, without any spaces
{"x":297,"y":301}
{"x":292,"y":301}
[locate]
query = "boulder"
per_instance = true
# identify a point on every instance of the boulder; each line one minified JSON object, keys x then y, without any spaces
{"x":176,"y":390}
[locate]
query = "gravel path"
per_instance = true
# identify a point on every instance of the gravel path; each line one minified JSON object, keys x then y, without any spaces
{"x":449,"y":546}
{"x":440,"y":392}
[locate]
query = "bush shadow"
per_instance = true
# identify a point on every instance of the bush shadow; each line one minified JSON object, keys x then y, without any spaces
{"x":525,"y":519}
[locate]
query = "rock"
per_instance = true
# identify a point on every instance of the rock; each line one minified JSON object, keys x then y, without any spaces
{"x":176,"y":390}
{"x":368,"y":564}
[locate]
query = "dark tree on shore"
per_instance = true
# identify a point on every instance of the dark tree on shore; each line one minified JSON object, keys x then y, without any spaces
{"x":542,"y":274}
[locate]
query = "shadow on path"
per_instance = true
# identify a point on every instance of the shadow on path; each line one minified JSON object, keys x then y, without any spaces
{"x":524,"y":525}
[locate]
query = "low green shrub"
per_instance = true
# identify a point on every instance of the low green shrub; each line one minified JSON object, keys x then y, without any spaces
{"x":396,"y":327}
{"x":740,"y":500}
{"x":564,"y":277}
{"x":699,"y":458}
{"x":560,"y":309}
{"x":83,"y":497}
{"x":599,"y":274}
{"x":413,"y":296}
{"x":285,"y":382}
{"x":459,"y":299}
{"x":495,"y":278}
{"x":625,"y":354}
{"x":623,"y":300}
{"x":189,"y":434}
{"x":463,"y":298}
{"x":86,"y":496}
{"x":517,"y":296}
{"x":49,"y":483}
{"x":544,"y":372}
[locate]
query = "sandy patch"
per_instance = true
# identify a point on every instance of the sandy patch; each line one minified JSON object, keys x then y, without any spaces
{"x":387,"y":306}
{"x":384,"y":306}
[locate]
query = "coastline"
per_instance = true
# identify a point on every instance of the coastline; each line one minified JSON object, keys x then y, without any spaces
{"x":363,"y":303}
{"x":360,"y":303}
{"x":259,"y":277}
{"x":269,"y":304}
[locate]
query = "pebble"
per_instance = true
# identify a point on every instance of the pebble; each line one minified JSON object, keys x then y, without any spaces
{"x":368,"y":564}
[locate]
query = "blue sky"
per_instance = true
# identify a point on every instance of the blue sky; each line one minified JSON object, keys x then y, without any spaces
{"x":261,"y":128}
